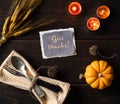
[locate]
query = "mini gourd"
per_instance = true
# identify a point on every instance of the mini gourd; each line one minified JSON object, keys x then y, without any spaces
{"x":99,"y":74}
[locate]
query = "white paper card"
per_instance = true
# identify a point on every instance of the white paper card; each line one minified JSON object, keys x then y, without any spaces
{"x":57,"y":43}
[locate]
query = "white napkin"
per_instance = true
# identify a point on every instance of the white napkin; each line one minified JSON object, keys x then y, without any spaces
{"x":23,"y":83}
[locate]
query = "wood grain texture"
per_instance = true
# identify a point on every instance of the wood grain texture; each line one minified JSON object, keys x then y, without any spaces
{"x":107,"y":38}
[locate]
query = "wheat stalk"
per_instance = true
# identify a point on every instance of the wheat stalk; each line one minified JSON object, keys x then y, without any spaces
{"x":18,"y":20}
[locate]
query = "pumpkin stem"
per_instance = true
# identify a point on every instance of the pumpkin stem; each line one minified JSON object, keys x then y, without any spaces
{"x":100,"y":75}
{"x":81,"y":76}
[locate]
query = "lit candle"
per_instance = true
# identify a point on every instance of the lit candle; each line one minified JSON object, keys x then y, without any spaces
{"x":93,"y":23}
{"x":103,"y":12}
{"x":75,"y":8}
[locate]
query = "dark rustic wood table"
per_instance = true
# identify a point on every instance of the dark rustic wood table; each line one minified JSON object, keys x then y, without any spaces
{"x":69,"y":68}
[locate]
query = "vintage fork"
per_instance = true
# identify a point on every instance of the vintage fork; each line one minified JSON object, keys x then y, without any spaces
{"x":12,"y":71}
{"x":40,"y":82}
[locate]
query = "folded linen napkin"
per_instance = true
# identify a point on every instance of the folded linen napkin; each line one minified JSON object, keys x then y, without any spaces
{"x":23,"y":83}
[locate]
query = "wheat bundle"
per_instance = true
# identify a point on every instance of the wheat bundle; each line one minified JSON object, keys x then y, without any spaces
{"x":18,"y":20}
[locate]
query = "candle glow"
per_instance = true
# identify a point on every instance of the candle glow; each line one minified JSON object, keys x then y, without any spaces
{"x":93,"y":23}
{"x":103,"y":12}
{"x":74,"y":8}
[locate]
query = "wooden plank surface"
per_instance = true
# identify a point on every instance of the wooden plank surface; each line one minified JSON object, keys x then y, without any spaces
{"x":69,"y":68}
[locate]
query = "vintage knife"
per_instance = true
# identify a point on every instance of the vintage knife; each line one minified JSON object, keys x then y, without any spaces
{"x":47,"y":85}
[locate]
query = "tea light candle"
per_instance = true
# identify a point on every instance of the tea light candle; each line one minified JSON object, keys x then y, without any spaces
{"x":75,"y":8}
{"x":93,"y":23}
{"x":103,"y":12}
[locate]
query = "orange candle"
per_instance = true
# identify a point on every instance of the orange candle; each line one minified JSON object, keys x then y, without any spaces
{"x":75,"y":8}
{"x":93,"y":23}
{"x":103,"y":12}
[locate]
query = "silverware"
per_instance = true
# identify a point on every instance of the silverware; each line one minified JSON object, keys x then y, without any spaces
{"x":12,"y":71}
{"x":50,"y":86}
{"x":20,"y":65}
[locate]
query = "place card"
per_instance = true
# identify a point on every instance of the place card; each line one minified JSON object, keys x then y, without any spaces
{"x":57,"y":43}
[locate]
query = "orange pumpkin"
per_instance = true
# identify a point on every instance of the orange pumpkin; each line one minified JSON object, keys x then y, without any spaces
{"x":99,"y":74}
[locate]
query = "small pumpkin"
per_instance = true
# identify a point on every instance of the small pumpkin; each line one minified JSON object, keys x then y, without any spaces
{"x":99,"y":74}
